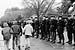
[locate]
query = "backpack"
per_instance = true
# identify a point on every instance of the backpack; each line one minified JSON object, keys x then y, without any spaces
{"x":16,"y":29}
{"x":6,"y":33}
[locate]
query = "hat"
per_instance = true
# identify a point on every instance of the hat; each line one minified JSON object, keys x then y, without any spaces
{"x":5,"y":25}
{"x":60,"y":16}
{"x":69,"y":15}
{"x":29,"y":21}
{"x":52,"y":16}
{"x":74,"y":15}
{"x":14,"y":22}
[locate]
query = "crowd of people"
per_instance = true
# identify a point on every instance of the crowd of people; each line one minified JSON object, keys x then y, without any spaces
{"x":48,"y":28}
{"x":13,"y":31}
{"x":51,"y":27}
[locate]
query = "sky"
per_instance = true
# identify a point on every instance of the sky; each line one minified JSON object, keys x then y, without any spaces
{"x":55,"y":5}
{"x":4,"y":4}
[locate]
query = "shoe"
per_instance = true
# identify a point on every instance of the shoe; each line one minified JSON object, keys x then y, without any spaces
{"x":8,"y":49}
{"x":73,"y":47}
{"x":59,"y":42}
{"x":73,"y":44}
{"x":41,"y":38}
{"x":48,"y":40}
{"x":28,"y":47}
{"x":19,"y":47}
{"x":63,"y":43}
{"x":36,"y":37}
{"x":69,"y":42}
{"x":53,"y":42}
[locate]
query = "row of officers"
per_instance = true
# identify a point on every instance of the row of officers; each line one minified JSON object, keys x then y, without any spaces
{"x":51,"y":27}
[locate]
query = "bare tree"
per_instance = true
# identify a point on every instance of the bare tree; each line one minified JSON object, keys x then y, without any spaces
{"x":39,"y":6}
{"x":66,"y":4}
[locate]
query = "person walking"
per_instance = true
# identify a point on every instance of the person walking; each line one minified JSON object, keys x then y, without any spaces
{"x":60,"y":29}
{"x":6,"y":35}
{"x":28,"y":30}
{"x":22,"y":38}
{"x":16,"y":34}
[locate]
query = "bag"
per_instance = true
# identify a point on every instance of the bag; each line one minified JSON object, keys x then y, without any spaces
{"x":16,"y":28}
{"x":6,"y":33}
{"x":22,"y":41}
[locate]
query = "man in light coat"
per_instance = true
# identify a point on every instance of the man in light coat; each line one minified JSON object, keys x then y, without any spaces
{"x":28,"y":29}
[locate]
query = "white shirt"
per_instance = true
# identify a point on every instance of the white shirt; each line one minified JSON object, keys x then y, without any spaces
{"x":28,"y":29}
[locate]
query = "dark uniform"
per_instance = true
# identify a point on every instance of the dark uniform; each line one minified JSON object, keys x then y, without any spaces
{"x":53,"y":28}
{"x":69,"y":30}
{"x":46,"y":28}
{"x":33,"y":25}
{"x":42,"y":29}
{"x":37,"y":28}
{"x":74,"y":29}
{"x":60,"y":29}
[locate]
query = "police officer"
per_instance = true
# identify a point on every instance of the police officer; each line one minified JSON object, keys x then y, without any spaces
{"x":69,"y":29}
{"x":43,"y":28}
{"x":53,"y":28}
{"x":33,"y":25}
{"x":37,"y":27}
{"x":46,"y":27}
{"x":60,"y":29}
{"x":74,"y":29}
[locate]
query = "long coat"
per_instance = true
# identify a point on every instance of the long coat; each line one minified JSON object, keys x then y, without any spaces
{"x":28,"y":29}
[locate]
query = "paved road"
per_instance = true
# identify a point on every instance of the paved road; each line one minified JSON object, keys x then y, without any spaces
{"x":37,"y":44}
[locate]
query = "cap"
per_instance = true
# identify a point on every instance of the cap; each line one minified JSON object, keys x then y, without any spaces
{"x":5,"y":25}
{"x":29,"y":21}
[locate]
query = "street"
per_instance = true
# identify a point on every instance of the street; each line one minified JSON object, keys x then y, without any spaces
{"x":37,"y":44}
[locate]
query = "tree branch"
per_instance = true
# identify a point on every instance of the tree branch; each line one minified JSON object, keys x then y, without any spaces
{"x":42,"y":2}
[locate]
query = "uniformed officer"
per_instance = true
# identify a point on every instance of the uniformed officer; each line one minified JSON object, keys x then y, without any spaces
{"x":69,"y":29}
{"x":46,"y":27}
{"x":60,"y":29}
{"x":53,"y":28}
{"x":33,"y":25}
{"x":37,"y":27}
{"x":74,"y":29}
{"x":43,"y":28}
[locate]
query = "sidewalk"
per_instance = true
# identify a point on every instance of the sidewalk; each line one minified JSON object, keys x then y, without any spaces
{"x":37,"y":44}
{"x":2,"y":45}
